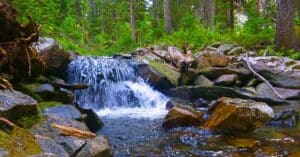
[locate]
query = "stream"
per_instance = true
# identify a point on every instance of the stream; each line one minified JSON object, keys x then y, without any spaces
{"x":133,"y":113}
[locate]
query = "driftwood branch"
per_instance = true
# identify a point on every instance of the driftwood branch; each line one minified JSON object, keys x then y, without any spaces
{"x":70,"y":131}
{"x":6,"y":122}
{"x":70,"y":86}
{"x":246,"y":61}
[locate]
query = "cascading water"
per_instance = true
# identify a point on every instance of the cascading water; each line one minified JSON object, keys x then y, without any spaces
{"x":115,"y":89}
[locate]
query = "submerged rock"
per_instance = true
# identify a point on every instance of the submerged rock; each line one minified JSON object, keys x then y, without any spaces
{"x":180,"y":116}
{"x":238,"y":116}
{"x":15,"y":104}
{"x":286,"y":118}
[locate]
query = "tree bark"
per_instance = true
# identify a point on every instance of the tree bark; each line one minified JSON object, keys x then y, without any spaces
{"x":102,"y":12}
{"x":132,"y":21}
{"x":208,"y":13}
{"x":230,"y":15}
{"x":167,"y":15}
{"x":155,"y":12}
{"x":93,"y":11}
{"x":285,"y":34}
{"x":78,"y":11}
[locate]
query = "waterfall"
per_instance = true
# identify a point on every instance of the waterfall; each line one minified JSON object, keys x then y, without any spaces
{"x":115,"y":89}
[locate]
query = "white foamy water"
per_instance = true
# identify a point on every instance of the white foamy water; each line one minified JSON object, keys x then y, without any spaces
{"x":115,"y":89}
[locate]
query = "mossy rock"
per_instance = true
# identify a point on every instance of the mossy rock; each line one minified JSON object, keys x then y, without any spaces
{"x":19,"y":142}
{"x":165,"y":70}
{"x":29,"y":121}
{"x":44,"y":105}
{"x":30,"y":89}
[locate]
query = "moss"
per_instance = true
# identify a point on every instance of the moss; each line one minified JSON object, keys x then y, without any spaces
{"x":43,"y":105}
{"x":166,"y":71}
{"x":29,"y":89}
{"x":19,"y":142}
{"x":29,"y":121}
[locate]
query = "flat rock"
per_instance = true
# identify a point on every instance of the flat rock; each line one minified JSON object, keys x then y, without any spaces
{"x":15,"y":104}
{"x":182,"y":116}
{"x":191,"y":93}
{"x":238,"y":116}
{"x":96,"y":147}
{"x":281,"y":71}
{"x":264,"y":90}
{"x":64,"y":111}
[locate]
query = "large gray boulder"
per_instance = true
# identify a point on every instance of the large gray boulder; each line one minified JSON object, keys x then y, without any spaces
{"x":264,"y":90}
{"x":280,"y":71}
{"x":15,"y":104}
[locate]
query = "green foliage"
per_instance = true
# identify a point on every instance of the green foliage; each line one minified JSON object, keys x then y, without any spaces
{"x":44,"y":105}
{"x":107,"y":31}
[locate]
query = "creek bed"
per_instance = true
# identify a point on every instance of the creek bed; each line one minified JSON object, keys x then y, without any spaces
{"x":146,"y":137}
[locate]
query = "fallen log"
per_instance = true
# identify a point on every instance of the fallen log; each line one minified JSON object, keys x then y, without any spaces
{"x":70,"y":131}
{"x":70,"y":86}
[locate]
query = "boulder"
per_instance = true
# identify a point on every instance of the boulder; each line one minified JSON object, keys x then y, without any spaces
{"x":182,"y":116}
{"x":165,"y":71}
{"x":200,"y":103}
{"x":64,"y":111}
{"x":280,"y":71}
{"x":225,"y":48}
{"x":51,"y":54}
{"x":236,"y":51}
{"x":203,"y":81}
{"x":15,"y":104}
{"x":48,"y":145}
{"x":191,"y":93}
{"x":212,"y":59}
{"x":92,"y":120}
{"x":45,"y":155}
{"x":215,"y":72}
{"x":156,"y":75}
{"x":264,"y":90}
{"x":71,"y":144}
{"x":3,"y":153}
{"x":238,"y":116}
{"x":96,"y":147}
{"x":286,"y":118}
{"x":48,"y":93}
{"x":226,"y":80}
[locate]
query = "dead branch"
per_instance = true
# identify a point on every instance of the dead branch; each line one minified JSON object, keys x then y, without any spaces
{"x":6,"y":122}
{"x":246,"y":61}
{"x":70,"y":131}
{"x":70,"y":86}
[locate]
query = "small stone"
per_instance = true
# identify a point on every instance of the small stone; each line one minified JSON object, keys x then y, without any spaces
{"x":203,"y":81}
{"x":95,"y":147}
{"x":226,"y":80}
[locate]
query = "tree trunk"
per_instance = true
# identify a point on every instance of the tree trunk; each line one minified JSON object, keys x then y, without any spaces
{"x":93,"y":11}
{"x":167,"y":15}
{"x":78,"y":11}
{"x":285,"y":34}
{"x":132,"y":21}
{"x":155,"y":13}
{"x":102,"y":12}
{"x":208,"y":13}
{"x":230,"y":16}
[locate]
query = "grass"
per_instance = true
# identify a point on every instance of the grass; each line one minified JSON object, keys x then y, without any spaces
{"x":19,"y":142}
